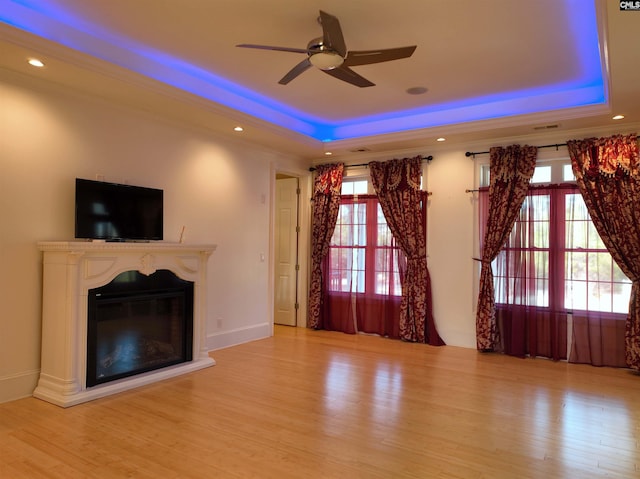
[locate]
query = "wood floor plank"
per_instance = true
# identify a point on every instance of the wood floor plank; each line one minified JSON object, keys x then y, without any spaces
{"x":318,"y":404}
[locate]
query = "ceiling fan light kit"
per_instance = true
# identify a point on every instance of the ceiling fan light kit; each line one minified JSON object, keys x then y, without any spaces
{"x":330,"y":55}
{"x":326,"y":60}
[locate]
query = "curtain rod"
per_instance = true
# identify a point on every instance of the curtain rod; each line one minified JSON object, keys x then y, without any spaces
{"x":423,"y":158}
{"x":555,"y":145}
{"x":474,"y":153}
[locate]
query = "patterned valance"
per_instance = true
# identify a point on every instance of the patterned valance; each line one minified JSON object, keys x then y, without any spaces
{"x":396,"y":174}
{"x":513,"y":161}
{"x":617,"y":154}
{"x":328,"y":179}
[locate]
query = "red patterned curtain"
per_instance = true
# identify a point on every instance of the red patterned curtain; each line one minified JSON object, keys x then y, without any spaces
{"x":397,"y":184}
{"x":326,"y":203}
{"x":510,"y":172}
{"x":607,"y":171}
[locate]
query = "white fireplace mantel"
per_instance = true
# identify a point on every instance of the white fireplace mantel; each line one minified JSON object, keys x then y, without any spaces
{"x":70,"y":270}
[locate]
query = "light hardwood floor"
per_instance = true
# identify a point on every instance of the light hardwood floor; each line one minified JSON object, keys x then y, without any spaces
{"x":317,"y":404}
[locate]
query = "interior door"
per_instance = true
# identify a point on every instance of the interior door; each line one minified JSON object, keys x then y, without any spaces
{"x":286,"y":251}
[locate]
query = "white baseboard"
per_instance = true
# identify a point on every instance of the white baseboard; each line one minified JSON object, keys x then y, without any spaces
{"x":225,"y":339}
{"x":18,"y":386}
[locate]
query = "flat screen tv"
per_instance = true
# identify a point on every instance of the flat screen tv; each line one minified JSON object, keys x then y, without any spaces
{"x":115,"y":212}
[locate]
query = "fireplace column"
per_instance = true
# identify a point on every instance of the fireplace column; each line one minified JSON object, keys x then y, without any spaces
{"x":70,"y":269}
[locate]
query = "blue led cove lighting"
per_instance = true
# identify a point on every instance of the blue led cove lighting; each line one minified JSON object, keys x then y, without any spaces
{"x":589,"y":89}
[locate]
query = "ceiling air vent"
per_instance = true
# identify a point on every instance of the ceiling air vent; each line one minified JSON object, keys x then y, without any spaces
{"x":360,"y":150}
{"x":546,"y":127}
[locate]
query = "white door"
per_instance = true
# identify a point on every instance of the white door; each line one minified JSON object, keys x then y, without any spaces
{"x":286,"y":251}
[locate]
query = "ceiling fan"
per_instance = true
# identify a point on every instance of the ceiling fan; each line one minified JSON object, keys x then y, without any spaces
{"x":329,"y":53}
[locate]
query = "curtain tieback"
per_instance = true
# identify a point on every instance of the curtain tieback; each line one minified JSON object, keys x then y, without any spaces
{"x":483,"y":261}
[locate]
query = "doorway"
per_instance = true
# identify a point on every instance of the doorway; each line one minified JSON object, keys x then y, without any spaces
{"x":287,"y":268}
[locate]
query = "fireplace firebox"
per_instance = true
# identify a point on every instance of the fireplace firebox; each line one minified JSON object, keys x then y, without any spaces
{"x":138,"y":323}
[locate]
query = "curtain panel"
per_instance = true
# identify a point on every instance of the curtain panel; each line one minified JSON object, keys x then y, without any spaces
{"x":607,"y":172}
{"x":326,"y":204}
{"x":510,"y":171}
{"x":397,"y":185}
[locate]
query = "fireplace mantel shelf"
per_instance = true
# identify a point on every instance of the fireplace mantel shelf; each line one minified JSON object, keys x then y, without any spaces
{"x":81,"y":246}
{"x":70,"y":270}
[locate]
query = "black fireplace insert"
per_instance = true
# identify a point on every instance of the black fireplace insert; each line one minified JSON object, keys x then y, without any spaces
{"x":138,"y":323}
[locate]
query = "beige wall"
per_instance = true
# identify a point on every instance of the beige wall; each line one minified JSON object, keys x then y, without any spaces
{"x":217,"y":188}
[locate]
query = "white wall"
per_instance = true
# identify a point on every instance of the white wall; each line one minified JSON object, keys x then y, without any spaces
{"x":217,"y":188}
{"x":451,"y":244}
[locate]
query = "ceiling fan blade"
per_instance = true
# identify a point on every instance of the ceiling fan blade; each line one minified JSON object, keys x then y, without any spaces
{"x":348,"y":75}
{"x":266,"y":47}
{"x":378,"y":56}
{"x":332,"y":33}
{"x":301,"y":67}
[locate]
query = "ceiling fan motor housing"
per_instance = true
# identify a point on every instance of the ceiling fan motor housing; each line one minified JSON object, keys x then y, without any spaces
{"x":323,"y":56}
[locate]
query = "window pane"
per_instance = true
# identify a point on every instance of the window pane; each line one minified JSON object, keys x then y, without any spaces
{"x":618,"y":275}
{"x":567,"y":173}
{"x":594,"y":242}
{"x":484,"y":175}
{"x":541,"y":207}
{"x":575,"y":207}
{"x":577,"y":234}
{"x":599,"y":297}
{"x":382,"y":267}
{"x":576,"y":265}
{"x":360,"y":225}
{"x":540,"y":234}
{"x":540,"y":294}
{"x":541,"y":262}
{"x":357,"y":276}
{"x":354,"y":187}
{"x":575,"y":295}
{"x":340,"y":269}
{"x":621,"y":295}
{"x":384,"y":236}
{"x":360,"y":187}
{"x":600,"y":267}
{"x":542,"y":174}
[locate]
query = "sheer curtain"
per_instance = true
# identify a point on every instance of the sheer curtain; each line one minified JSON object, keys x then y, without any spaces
{"x":326,"y":203}
{"x":363,"y":269}
{"x":529,"y":276}
{"x":598,"y":307}
{"x":511,"y":170}
{"x":397,"y":184}
{"x":607,"y":171}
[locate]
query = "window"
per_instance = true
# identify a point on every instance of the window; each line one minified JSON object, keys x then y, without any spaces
{"x":554,"y":257}
{"x":593,"y":281}
{"x":363,"y":256}
{"x":362,"y":291}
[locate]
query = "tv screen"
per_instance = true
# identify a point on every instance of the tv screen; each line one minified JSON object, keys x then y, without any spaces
{"x":115,"y":212}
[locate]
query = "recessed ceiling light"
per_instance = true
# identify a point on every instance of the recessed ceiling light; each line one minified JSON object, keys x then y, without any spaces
{"x":238,"y":128}
{"x":417,"y":90}
{"x":328,"y":153}
{"x":34,"y":62}
{"x":618,"y":117}
{"x":441,"y":139}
